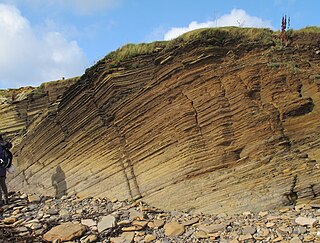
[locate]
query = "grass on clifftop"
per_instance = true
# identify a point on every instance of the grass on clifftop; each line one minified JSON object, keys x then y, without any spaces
{"x":206,"y":35}
{"x":309,"y":29}
{"x":131,"y":50}
{"x":218,"y":35}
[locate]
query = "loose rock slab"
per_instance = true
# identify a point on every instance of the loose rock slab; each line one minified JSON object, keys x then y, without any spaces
{"x":65,"y":232}
{"x":173,"y":229}
{"x":306,"y":221}
{"x":106,"y":222}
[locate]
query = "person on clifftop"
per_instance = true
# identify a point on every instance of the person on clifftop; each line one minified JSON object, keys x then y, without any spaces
{"x":3,"y":172}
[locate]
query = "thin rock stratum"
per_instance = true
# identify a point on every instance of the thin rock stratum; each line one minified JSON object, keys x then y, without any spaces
{"x":218,"y":120}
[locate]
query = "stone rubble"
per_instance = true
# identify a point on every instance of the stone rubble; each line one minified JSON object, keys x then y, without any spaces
{"x":31,"y":218}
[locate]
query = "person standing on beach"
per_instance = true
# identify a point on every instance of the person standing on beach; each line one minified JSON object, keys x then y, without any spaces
{"x":3,"y":173}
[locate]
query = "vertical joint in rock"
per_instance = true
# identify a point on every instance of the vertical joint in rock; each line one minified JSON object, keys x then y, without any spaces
{"x":292,"y":195}
{"x":314,"y":194}
{"x":127,"y":167}
{"x":195,"y":113}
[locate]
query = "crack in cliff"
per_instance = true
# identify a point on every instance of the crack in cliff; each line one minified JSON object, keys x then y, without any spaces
{"x":277,"y":126}
{"x":64,"y":129}
{"x":124,"y":161}
{"x":292,"y":195}
{"x":228,"y":130}
{"x":195,"y":113}
{"x":127,"y":166}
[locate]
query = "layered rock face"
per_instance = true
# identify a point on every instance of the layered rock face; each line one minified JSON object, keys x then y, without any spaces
{"x":225,"y":123}
{"x":19,"y":108}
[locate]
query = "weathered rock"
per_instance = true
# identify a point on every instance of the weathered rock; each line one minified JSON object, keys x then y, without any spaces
{"x":88,"y":222}
{"x":270,"y":224}
{"x":34,"y":198}
{"x":65,"y":232}
{"x":263,"y":214}
{"x":158,"y":223}
{"x":131,"y":228}
{"x":315,"y":204}
{"x":126,"y":237}
{"x":299,"y":230}
{"x":150,"y":238}
{"x":106,"y":222}
{"x":213,"y":228}
{"x":191,"y":221}
{"x":64,"y":212}
{"x":263,"y":232}
{"x":245,"y":237}
{"x":34,"y":226}
{"x":308,"y":238}
{"x":306,"y":221}
{"x":295,"y":240}
{"x":277,"y":239}
{"x":249,"y":230}
{"x":88,"y":239}
{"x":10,"y":220}
{"x":201,"y":235}
{"x":173,"y":229}
{"x":136,"y":214}
{"x":52,"y":211}
{"x":141,"y":224}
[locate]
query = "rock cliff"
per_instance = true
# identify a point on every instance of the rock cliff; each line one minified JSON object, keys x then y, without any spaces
{"x":218,"y":120}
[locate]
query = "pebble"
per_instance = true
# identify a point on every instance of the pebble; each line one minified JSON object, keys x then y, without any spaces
{"x":100,"y":220}
{"x":201,"y":235}
{"x":150,"y":238}
{"x":106,"y":222}
{"x":306,"y":221}
{"x":173,"y":229}
{"x":34,"y":198}
{"x":295,"y":240}
{"x":249,"y":230}
{"x":64,"y":232}
{"x":245,"y":237}
{"x":88,"y":222}
{"x":158,"y":223}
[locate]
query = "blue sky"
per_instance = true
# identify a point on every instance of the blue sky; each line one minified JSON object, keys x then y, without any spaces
{"x":45,"y":40}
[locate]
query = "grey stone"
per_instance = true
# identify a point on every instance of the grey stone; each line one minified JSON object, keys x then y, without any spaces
{"x":249,"y":230}
{"x":106,"y":222}
{"x":299,"y":230}
{"x":295,"y":240}
{"x":306,"y":221}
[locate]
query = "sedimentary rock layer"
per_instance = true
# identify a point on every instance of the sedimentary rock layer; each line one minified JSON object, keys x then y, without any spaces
{"x":225,"y":123}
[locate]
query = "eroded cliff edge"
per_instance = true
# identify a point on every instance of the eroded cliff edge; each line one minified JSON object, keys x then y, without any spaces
{"x":219,"y":120}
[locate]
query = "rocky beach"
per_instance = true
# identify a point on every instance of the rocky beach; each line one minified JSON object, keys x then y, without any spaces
{"x":33,"y":218}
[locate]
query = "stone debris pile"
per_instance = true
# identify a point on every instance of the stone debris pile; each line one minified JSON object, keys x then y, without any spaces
{"x":32,"y":218}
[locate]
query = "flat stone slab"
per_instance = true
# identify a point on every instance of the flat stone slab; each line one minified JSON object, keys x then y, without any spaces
{"x":65,"y":232}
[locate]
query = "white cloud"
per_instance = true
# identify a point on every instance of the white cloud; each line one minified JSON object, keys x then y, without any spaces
{"x":237,"y":17}
{"x":29,"y":59}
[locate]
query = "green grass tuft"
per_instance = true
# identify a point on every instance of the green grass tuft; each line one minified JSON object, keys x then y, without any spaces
{"x":309,"y":29}
{"x":219,"y":35}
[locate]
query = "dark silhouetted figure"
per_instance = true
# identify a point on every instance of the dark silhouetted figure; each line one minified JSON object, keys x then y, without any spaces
{"x":58,"y":181}
{"x":3,"y":173}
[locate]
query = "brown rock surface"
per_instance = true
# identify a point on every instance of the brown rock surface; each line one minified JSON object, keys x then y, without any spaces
{"x":65,"y":232}
{"x":217,"y":120}
{"x":173,"y":229}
